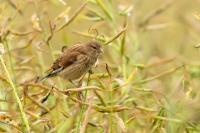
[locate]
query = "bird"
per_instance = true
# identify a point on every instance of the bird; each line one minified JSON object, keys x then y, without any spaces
{"x":75,"y":61}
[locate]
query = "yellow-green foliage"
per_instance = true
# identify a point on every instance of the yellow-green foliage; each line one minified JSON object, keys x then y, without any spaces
{"x":146,"y":81}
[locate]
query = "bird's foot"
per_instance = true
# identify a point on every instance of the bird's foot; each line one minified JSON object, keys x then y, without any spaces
{"x":80,"y":95}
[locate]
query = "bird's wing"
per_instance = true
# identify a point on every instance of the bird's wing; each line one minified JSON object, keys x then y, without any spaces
{"x":61,"y":63}
{"x":74,"y":47}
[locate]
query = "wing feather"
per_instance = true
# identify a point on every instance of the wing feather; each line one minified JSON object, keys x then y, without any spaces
{"x":61,"y":63}
{"x":70,"y":56}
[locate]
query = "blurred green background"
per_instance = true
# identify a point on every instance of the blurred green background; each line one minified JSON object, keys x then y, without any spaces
{"x":151,"y":52}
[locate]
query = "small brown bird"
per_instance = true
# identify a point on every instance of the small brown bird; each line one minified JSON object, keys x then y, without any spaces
{"x":75,"y":61}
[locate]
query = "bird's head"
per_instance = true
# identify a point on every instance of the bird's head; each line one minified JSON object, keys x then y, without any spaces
{"x":93,"y":48}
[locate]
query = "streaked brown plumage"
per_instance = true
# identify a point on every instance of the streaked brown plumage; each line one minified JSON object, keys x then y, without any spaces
{"x":75,"y":61}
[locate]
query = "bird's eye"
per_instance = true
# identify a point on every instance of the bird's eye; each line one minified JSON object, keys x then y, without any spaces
{"x":94,"y":47}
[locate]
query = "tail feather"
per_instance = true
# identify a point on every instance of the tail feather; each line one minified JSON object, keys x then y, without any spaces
{"x":51,"y":74}
{"x":43,"y":78}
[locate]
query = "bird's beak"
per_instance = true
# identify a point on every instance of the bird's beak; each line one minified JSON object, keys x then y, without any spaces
{"x":101,"y":50}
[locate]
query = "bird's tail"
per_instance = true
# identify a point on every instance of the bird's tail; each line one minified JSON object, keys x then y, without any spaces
{"x":43,"y":78}
{"x":50,"y":74}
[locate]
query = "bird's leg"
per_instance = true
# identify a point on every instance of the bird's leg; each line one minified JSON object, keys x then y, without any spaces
{"x":89,"y":73}
{"x":74,"y":85}
{"x":72,"y":82}
{"x":80,"y":93}
{"x":80,"y":82}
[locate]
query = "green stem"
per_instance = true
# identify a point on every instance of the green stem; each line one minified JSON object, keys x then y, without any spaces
{"x":80,"y":118}
{"x":104,"y":9}
{"x":10,"y":60}
{"x":24,"y":118}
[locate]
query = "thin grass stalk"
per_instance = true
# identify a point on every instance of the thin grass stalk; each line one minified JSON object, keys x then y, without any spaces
{"x":83,"y":108}
{"x":10,"y":60}
{"x":104,"y":9}
{"x":24,"y":118}
{"x":78,"y":126}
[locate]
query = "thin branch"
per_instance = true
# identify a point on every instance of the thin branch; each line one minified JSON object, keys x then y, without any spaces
{"x":15,"y":90}
{"x":17,"y":33}
{"x":116,"y":36}
{"x":157,"y":76}
{"x":77,"y":12}
{"x":38,"y":104}
{"x":155,"y":13}
{"x":89,"y":35}
{"x":86,"y":116}
{"x":13,"y":5}
{"x":3,"y":79}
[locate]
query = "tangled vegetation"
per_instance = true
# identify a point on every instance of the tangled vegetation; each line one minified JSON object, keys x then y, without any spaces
{"x":146,"y":81}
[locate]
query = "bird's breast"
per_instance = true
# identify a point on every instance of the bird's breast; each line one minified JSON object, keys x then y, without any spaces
{"x":78,"y":69}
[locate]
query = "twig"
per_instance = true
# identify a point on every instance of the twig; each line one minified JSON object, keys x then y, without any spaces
{"x":15,"y":7}
{"x":47,"y":95}
{"x":103,"y":7}
{"x":130,"y":119}
{"x":157,"y":76}
{"x":108,"y":71}
{"x":34,"y":101}
{"x":52,"y":27}
{"x":9,"y":124}
{"x":86,"y":118}
{"x":17,"y":33}
{"x":82,"y":89}
{"x":197,"y":46}
{"x":100,"y":98}
{"x":35,"y":85}
{"x":160,"y":62}
{"x":168,"y":119}
{"x":77,"y":12}
{"x":24,"y":118}
{"x":88,"y":35}
{"x":107,"y":109}
{"x":4,"y":80}
{"x":23,"y":47}
{"x":151,"y":78}
{"x":155,"y":13}
{"x":38,"y":103}
{"x":116,"y":36}
{"x":123,"y":41}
